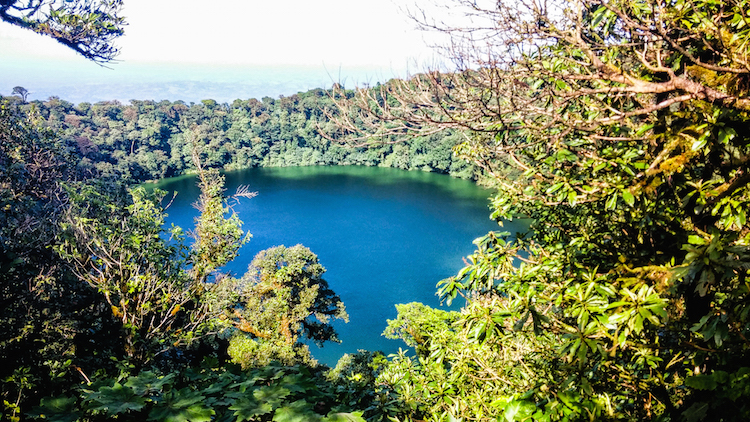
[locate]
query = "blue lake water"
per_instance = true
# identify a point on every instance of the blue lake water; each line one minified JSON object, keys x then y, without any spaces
{"x":385,"y":236}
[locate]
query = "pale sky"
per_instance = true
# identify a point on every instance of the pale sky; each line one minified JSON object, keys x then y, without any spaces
{"x":230,"y":41}
{"x":351,"y":32}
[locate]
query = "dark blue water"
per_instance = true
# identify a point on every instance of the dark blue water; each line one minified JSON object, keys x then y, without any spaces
{"x":386,"y":236}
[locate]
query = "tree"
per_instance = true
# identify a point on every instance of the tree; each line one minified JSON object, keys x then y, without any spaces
{"x":285,"y":301}
{"x":129,"y":258}
{"x":156,"y":286}
{"x":617,"y":128}
{"x":87,"y":27}
{"x":21,"y":92}
{"x":217,"y":238}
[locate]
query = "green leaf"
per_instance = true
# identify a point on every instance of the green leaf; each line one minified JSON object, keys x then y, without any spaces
{"x":271,"y":395}
{"x":700,"y":142}
{"x":611,"y":202}
{"x":696,"y":412}
{"x":572,"y":196}
{"x":600,"y":166}
{"x":184,"y":405}
{"x":247,"y":408}
{"x":643,"y":129}
{"x":598,"y":15}
{"x":115,"y":400}
{"x":701,"y":382}
{"x":345,"y":417}
{"x":298,"y":411}
{"x":298,"y":383}
{"x":554,"y":188}
{"x":628,"y":197}
{"x":57,"y":409}
{"x":726,"y":134}
{"x":519,"y":410}
{"x":148,"y":382}
{"x":696,"y":240}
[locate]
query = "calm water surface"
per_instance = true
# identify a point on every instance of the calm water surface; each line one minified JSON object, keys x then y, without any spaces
{"x":386,"y":236}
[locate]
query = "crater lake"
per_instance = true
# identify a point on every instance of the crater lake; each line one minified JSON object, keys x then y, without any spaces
{"x":385,"y":236}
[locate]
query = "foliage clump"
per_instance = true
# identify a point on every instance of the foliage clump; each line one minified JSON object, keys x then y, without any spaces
{"x":87,"y":27}
{"x":285,"y":302}
{"x":205,"y":393}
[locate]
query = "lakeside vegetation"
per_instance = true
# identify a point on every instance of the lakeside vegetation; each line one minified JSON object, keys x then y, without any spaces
{"x":618,"y":127}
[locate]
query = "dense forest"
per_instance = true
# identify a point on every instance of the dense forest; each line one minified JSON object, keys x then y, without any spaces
{"x":147,"y":140}
{"x":619,"y":128}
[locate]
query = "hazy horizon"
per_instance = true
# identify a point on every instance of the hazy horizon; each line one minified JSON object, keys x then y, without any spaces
{"x":183,"y":50}
{"x":191,"y":84}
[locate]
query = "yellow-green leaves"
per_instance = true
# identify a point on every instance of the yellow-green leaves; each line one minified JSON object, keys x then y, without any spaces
{"x":218,"y":231}
{"x":635,"y":309}
{"x":283,"y":300}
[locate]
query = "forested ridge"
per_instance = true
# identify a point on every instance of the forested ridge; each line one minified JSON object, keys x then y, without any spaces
{"x":148,"y":140}
{"x":618,"y":128}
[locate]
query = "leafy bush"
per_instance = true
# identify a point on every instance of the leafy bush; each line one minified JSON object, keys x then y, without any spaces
{"x":206,"y":393}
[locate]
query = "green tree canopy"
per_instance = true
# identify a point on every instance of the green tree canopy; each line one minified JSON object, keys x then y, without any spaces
{"x":285,"y":302}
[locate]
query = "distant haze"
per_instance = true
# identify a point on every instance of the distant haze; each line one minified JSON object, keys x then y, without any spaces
{"x":186,"y":50}
{"x":189,"y":83}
